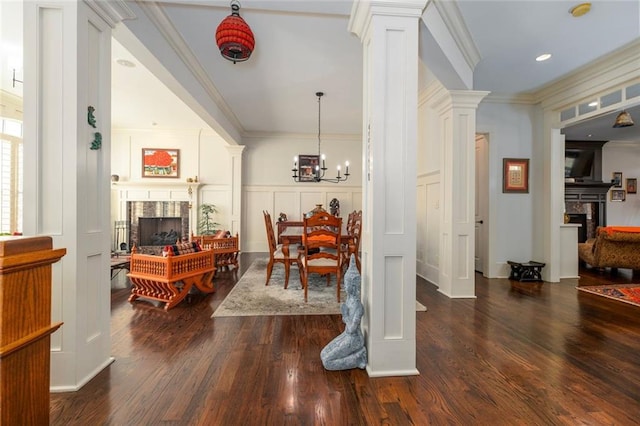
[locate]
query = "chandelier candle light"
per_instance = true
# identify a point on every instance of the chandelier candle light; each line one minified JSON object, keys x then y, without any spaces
{"x":309,"y":168}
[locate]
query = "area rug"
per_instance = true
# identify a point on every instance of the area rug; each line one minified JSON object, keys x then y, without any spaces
{"x":250,"y":297}
{"x":628,"y":293}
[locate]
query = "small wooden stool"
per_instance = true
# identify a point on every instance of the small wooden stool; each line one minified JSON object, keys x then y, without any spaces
{"x":529,"y":271}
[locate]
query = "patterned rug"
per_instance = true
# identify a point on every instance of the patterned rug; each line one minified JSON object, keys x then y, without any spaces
{"x":250,"y":297}
{"x":628,"y":293}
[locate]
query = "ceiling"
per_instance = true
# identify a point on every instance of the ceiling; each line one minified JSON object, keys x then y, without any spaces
{"x":304,"y":46}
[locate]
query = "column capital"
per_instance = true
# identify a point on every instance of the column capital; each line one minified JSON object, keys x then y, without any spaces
{"x":363,"y":10}
{"x":235,"y":150}
{"x":443,"y":100}
{"x":467,"y":98}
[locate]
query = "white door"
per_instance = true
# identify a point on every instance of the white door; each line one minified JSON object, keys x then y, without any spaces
{"x":482,"y":200}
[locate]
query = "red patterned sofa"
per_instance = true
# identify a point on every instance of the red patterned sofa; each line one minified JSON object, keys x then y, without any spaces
{"x":613,"y":247}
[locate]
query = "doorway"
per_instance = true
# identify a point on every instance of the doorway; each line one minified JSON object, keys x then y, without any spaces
{"x":481,"y":201}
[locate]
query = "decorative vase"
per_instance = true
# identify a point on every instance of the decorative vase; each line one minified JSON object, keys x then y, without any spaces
{"x":566,"y":218}
{"x":317,"y":209}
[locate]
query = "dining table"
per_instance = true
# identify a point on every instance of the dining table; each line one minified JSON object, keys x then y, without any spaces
{"x":293,"y":235}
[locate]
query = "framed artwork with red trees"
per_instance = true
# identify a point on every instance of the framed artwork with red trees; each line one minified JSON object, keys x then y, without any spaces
{"x":160,"y":162}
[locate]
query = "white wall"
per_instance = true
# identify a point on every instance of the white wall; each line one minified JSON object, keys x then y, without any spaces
{"x":203,"y":154}
{"x":511,"y":216}
{"x":269,"y":160}
{"x":267,"y":182}
{"x":266,"y":165}
{"x":622,"y":157}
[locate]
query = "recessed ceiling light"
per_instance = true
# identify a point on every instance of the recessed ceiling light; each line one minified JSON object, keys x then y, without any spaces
{"x":593,"y":104}
{"x":125,"y":63}
{"x":543,"y":57}
{"x":580,"y":10}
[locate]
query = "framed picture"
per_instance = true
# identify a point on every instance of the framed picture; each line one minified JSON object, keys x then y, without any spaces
{"x":160,"y":162}
{"x":632,"y":185}
{"x":618,"y":194}
{"x":616,"y":179}
{"x":307,"y":167}
{"x":515,"y":175}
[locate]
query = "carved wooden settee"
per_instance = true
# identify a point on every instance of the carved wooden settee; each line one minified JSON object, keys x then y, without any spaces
{"x":170,"y":277}
{"x":613,"y":247}
{"x":225,"y":247}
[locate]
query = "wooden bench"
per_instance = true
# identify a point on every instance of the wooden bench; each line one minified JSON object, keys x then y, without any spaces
{"x":169,"y":278}
{"x":225,"y":248}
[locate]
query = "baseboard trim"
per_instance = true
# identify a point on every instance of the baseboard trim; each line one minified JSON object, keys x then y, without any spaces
{"x":84,"y":381}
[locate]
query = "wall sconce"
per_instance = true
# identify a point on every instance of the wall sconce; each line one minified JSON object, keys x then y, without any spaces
{"x":15,"y":80}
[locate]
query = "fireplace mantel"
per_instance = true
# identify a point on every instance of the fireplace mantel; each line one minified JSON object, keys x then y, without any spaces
{"x":586,"y":192}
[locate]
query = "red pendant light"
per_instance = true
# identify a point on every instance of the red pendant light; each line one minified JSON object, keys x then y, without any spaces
{"x":234,"y":37}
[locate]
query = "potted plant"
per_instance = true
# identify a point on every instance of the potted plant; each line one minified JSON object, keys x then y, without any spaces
{"x":206,"y":224}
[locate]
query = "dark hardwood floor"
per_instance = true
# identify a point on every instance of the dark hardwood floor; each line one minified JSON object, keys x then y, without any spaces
{"x":519,"y":354}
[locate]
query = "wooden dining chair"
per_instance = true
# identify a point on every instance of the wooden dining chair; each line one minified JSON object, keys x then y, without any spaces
{"x":322,"y":252}
{"x":354,"y":231}
{"x":287,"y":257}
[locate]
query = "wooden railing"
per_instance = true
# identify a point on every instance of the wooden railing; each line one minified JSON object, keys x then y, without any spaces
{"x":25,"y":324}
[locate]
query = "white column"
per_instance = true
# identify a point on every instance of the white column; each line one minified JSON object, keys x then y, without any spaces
{"x":552,"y":199}
{"x":457,"y":123}
{"x":67,"y":184}
{"x":389,"y":34}
{"x":235,"y":153}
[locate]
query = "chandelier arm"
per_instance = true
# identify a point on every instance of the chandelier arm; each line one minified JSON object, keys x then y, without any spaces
{"x":321,"y":169}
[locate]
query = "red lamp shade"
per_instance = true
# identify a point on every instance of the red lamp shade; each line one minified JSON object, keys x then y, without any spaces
{"x":234,"y":37}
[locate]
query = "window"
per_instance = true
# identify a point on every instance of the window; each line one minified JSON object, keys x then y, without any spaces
{"x":11,"y":156}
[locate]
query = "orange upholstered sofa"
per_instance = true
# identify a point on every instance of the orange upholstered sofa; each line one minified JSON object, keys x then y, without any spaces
{"x":613,"y":247}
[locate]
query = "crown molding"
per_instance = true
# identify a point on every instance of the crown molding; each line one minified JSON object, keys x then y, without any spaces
{"x":509,"y":98}
{"x":112,"y":12}
{"x":452,"y":18}
{"x":162,"y":22}
{"x":610,"y":70}
{"x":301,"y":136}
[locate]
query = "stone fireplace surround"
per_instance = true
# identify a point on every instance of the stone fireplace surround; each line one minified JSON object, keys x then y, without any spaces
{"x":585,"y":197}
{"x":153,"y":199}
{"x":154,"y":224}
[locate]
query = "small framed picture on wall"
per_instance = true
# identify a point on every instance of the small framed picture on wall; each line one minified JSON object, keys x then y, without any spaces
{"x":618,"y":195}
{"x":632,"y":185}
{"x":616,"y":179}
{"x":515,"y":175}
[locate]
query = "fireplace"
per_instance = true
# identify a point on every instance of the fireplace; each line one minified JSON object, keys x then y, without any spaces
{"x":159,"y":231}
{"x":583,"y":231}
{"x":154,"y":224}
{"x":586,"y":204}
{"x":585,"y":194}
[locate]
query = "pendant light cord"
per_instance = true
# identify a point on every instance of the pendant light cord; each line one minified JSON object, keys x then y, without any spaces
{"x":319,"y":97}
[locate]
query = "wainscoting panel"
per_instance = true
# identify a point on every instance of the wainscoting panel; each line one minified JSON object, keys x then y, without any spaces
{"x":286,"y":202}
{"x":292,"y":200}
{"x":428,"y":227}
{"x":308,"y":201}
{"x":219,"y":196}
